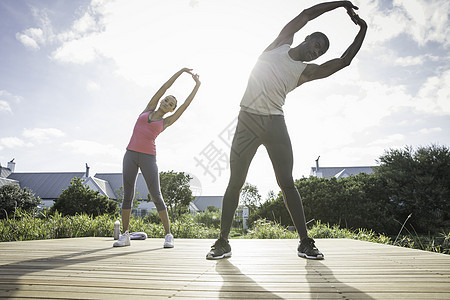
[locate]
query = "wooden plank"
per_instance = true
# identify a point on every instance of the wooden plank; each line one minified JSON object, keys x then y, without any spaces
{"x":85,"y":268}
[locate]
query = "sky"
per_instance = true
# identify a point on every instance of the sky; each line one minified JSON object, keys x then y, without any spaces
{"x":75,"y":75}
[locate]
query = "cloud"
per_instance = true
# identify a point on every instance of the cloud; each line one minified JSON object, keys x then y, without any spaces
{"x":92,"y":86}
{"x":389,"y":140}
{"x":430,"y":130}
{"x":6,"y":96}
{"x":92,"y":148}
{"x":80,"y":44}
{"x":426,"y":20}
{"x":409,"y":61}
{"x":4,"y":106}
{"x":434,"y":95}
{"x":31,"y":38}
{"x":414,"y":60}
{"x":41,"y":135}
{"x":76,"y":43}
{"x":5,"y":99}
{"x":193,"y":3}
{"x":14,"y":142}
{"x":35,"y":37}
{"x":86,"y":23}
{"x":78,"y":51}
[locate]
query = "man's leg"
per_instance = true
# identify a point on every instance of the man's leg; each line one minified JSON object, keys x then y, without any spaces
{"x":278,"y":145}
{"x":243,"y":149}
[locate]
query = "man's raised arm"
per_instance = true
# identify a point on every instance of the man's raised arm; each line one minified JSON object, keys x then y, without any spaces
{"x":286,"y":35}
{"x":313,"y":72}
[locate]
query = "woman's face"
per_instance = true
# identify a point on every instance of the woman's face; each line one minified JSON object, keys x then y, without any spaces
{"x":168,"y":104}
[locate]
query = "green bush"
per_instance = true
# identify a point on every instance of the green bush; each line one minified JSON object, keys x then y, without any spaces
{"x":28,"y":227}
{"x":152,"y":217}
{"x":80,"y":199}
{"x":210,"y":219}
{"x":418,"y":183}
{"x":359,"y":201}
{"x":355,"y":202}
{"x":263,"y":229}
{"x":272,"y":209}
{"x":55,"y":226}
{"x":12,"y":197}
{"x":187,"y":227}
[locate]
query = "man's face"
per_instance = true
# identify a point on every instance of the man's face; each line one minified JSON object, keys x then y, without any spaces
{"x":315,"y":47}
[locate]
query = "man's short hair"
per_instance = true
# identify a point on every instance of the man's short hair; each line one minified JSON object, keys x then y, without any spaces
{"x":321,"y":35}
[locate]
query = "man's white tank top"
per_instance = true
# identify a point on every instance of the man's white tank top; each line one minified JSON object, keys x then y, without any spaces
{"x":273,"y":77}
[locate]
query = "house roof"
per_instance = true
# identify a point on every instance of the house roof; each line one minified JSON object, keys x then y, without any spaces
{"x":48,"y":186}
{"x":202,"y":202}
{"x":116,"y":182}
{"x":4,"y":172}
{"x":45,"y":185}
{"x":100,"y":185}
{"x":341,"y":172}
{"x":5,"y":181}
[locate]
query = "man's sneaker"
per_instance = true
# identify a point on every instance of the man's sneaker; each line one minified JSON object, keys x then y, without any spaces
{"x":168,"y":241}
{"x":124,"y":240}
{"x":307,"y":249}
{"x":219,"y":250}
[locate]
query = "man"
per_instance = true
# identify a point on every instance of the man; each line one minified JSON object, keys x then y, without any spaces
{"x":279,"y":70}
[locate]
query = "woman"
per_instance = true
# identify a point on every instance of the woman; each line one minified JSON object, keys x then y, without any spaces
{"x":141,"y":154}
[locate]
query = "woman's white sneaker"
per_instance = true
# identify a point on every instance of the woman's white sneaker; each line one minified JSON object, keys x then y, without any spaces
{"x":168,"y":241}
{"x":124,"y":240}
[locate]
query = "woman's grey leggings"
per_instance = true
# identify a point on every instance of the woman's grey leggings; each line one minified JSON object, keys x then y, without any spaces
{"x":132,"y":161}
{"x":253,"y":130}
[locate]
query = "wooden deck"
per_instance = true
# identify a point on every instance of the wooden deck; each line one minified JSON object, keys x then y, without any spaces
{"x":90,"y":268}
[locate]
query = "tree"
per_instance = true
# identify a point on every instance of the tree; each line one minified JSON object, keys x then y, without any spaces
{"x":136,"y":198}
{"x":407,"y":182}
{"x":272,"y":209}
{"x":418,"y":182}
{"x":354,"y":202}
{"x":12,"y":197}
{"x":78,"y":199}
{"x":176,"y":192}
{"x":359,"y":201}
{"x":250,"y":196}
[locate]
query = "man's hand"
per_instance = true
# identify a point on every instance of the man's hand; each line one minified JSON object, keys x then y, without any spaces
{"x":352,"y":15}
{"x":348,"y":5}
{"x":356,"y":19}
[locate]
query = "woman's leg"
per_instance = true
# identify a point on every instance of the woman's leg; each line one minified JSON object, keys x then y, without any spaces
{"x":150,"y":172}
{"x":164,"y":216}
{"x":126,"y":213}
{"x":130,"y":171}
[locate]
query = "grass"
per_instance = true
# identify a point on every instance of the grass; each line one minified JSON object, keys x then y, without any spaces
{"x":26,"y":226}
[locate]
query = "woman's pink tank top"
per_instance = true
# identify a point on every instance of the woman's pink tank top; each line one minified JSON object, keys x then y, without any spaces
{"x":145,"y":133}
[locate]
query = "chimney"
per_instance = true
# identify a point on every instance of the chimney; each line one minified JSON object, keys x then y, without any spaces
{"x":318,"y":174}
{"x":11,"y":165}
{"x":87,"y":171}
